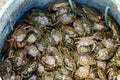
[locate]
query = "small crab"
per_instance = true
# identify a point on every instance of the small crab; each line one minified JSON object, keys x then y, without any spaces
{"x":102,"y":64}
{"x":16,"y":38}
{"x":98,"y":47}
{"x":49,"y":62}
{"x":31,"y":37}
{"x":48,"y":76}
{"x":17,"y":62}
{"x":87,"y":25}
{"x":94,"y":18}
{"x":85,"y":41}
{"x":105,"y":54}
{"x":56,"y":53}
{"x":66,"y":18}
{"x":101,"y":74}
{"x":78,"y":26}
{"x":108,"y":43}
{"x":69,"y":63}
{"x":32,"y":51}
{"x":56,"y":36}
{"x":85,"y":59}
{"x":27,"y":70}
{"x":59,"y":76}
{"x":93,"y":75}
{"x":114,"y":28}
{"x":112,"y":72}
{"x":5,"y":69}
{"x":58,"y":5}
{"x":69,"y":30}
{"x":89,"y":12}
{"x":82,"y":72}
{"x":99,"y":35}
{"x":40,"y":69}
{"x":99,"y":27}
{"x":40,"y":19}
{"x":33,"y":77}
{"x":116,"y":59}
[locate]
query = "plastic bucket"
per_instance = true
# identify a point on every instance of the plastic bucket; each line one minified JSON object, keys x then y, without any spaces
{"x":14,"y":9}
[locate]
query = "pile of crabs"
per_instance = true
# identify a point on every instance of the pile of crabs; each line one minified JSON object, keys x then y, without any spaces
{"x":57,"y":44}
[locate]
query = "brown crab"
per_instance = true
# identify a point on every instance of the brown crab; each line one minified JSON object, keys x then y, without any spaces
{"x":85,"y":41}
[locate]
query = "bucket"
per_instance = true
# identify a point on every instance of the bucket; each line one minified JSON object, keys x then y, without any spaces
{"x":14,"y":9}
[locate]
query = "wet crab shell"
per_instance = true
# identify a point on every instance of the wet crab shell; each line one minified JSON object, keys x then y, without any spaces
{"x":56,"y":36}
{"x":56,"y":53}
{"x":40,"y":69}
{"x":83,"y":49}
{"x":105,"y":54}
{"x":32,"y":51}
{"x":57,"y":6}
{"x":26,"y":70}
{"x":31,"y":38}
{"x":69,"y":63}
{"x":5,"y":69}
{"x":40,"y":19}
{"x":108,"y":43}
{"x":85,"y":59}
{"x":99,"y":27}
{"x":19,"y":35}
{"x":78,"y":26}
{"x":49,"y":62}
{"x":63,"y":10}
{"x":111,"y":73}
{"x":93,"y":74}
{"x":69,"y":30}
{"x":101,"y":74}
{"x":66,"y":18}
{"x":116,"y":59}
{"x":102,"y":64}
{"x":17,"y":62}
{"x":48,"y":76}
{"x":59,"y":76}
{"x":82,"y":72}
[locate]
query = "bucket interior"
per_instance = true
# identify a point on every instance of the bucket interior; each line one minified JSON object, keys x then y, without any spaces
{"x":15,"y":9}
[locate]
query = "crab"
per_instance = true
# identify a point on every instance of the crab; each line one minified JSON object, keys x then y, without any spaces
{"x":49,"y":62}
{"x":101,"y":74}
{"x":116,"y":59}
{"x":32,"y":51}
{"x":85,"y":41}
{"x":16,"y":39}
{"x":69,"y":30}
{"x":69,"y":63}
{"x":79,"y":27}
{"x":17,"y":62}
{"x":27,"y":70}
{"x":40,"y":69}
{"x":82,"y":72}
{"x":59,"y":76}
{"x":56,"y":53}
{"x":18,"y":36}
{"x":85,"y":59}
{"x":105,"y":54}
{"x":5,"y":69}
{"x":58,"y":5}
{"x":56,"y":36}
{"x":113,"y":73}
{"x":102,"y":64}
{"x":114,"y":28}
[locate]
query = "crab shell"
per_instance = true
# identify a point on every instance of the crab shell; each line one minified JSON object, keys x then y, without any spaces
{"x":49,"y":62}
{"x":82,"y":72}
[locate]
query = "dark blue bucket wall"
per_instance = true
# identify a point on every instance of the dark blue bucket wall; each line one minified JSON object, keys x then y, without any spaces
{"x":14,"y":10}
